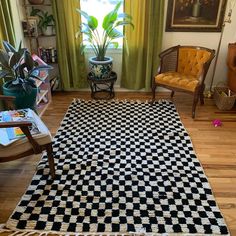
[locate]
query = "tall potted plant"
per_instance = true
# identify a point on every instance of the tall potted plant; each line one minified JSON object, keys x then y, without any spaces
{"x":19,"y":71}
{"x":101,"y":65}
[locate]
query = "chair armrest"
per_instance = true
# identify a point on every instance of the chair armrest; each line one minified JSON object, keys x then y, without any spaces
{"x":24,"y":126}
{"x":15,"y":124}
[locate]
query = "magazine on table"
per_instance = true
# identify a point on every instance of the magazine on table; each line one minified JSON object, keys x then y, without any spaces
{"x":9,"y":135}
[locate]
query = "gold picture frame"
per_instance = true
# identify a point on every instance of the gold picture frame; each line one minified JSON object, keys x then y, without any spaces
{"x":195,"y":15}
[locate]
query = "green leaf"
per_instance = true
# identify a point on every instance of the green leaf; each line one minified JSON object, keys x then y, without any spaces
{"x":29,"y":61}
{"x":93,"y":22}
{"x":125,"y":16}
{"x":124,"y":23}
{"x":83,"y":13}
{"x":115,"y":44}
{"x":19,"y":48}
{"x":109,"y":20}
{"x":111,"y":17}
{"x":8,"y":47}
{"x":4,"y":58}
{"x":114,"y":34}
{"x":16,"y":58}
{"x":3,"y":73}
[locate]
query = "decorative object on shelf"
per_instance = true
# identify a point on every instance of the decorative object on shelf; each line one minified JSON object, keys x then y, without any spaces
{"x":19,"y":71}
{"x":102,"y":88}
{"x":101,"y":41}
{"x":227,"y":19}
{"x":46,"y":21}
{"x":195,"y":16}
{"x":30,"y":27}
{"x":36,"y":2}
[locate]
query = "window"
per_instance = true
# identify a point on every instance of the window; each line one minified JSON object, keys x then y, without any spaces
{"x":99,"y":8}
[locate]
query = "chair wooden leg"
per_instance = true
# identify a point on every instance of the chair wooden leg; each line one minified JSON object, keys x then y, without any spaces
{"x":195,"y":101}
{"x":153,"y":92}
{"x":51,"y":160}
{"x":202,"y":95}
{"x":172,"y":94}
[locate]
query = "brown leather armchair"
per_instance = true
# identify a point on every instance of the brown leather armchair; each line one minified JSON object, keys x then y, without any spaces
{"x":183,"y":69}
{"x":28,"y":145}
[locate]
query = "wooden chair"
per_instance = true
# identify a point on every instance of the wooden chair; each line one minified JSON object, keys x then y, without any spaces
{"x":29,"y":145}
{"x":183,"y":69}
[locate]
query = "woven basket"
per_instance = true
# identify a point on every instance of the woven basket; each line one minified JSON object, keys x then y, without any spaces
{"x":222,"y":100}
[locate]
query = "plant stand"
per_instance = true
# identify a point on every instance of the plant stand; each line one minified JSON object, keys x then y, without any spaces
{"x":102,"y":88}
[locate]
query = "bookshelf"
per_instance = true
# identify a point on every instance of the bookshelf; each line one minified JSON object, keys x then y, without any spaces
{"x":43,"y":45}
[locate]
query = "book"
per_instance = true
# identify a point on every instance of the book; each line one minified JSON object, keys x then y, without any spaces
{"x":8,"y":135}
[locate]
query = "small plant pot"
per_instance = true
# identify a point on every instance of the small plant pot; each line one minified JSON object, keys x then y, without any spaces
{"x":100,"y":69}
{"x":36,"y":2}
{"x":22,"y":99}
{"x":48,"y":31}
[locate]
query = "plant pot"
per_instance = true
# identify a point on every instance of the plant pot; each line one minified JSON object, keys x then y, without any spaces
{"x":48,"y":31}
{"x":36,"y":2}
{"x":100,"y":69}
{"x":22,"y":99}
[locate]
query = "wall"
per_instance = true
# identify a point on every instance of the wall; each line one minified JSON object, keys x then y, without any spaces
{"x":207,"y":39}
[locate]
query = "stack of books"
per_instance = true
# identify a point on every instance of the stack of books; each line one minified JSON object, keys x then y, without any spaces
{"x":48,"y":55}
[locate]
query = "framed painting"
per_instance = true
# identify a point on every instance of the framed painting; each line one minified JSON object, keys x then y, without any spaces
{"x":195,"y":15}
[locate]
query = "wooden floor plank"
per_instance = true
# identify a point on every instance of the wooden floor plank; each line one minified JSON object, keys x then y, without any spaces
{"x":215,"y":148}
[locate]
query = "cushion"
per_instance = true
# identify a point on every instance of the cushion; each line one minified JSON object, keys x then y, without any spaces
{"x":20,"y":145}
{"x":178,"y":80}
{"x":191,"y":60}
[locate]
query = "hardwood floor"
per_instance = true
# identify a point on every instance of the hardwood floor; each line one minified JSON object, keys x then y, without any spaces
{"x":215,"y":148}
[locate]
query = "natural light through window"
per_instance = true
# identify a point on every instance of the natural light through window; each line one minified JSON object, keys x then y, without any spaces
{"x":99,"y":8}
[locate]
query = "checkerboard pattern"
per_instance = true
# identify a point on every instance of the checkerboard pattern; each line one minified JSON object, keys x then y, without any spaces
{"x":121,"y":166}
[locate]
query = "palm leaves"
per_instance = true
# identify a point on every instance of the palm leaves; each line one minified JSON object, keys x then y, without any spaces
{"x":110,"y":24}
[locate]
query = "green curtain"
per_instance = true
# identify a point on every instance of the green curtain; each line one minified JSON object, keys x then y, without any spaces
{"x":6,"y":29}
{"x":6,"y":23}
{"x":143,"y":43}
{"x":71,"y":62}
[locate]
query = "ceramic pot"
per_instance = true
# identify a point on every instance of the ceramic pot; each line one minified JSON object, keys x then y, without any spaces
{"x":22,"y":99}
{"x":100,"y":69}
{"x":36,"y":2}
{"x":48,"y":31}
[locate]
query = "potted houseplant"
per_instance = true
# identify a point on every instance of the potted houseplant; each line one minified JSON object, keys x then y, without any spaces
{"x":46,"y":21}
{"x":19,"y":71}
{"x":100,"y":65}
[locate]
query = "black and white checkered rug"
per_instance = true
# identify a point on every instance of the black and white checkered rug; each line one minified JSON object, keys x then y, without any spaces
{"x":121,"y":167}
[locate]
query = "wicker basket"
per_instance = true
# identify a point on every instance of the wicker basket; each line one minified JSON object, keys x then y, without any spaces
{"x":222,"y":100}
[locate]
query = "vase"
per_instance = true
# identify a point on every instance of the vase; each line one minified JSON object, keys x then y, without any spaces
{"x":100,"y":69}
{"x":196,"y":9}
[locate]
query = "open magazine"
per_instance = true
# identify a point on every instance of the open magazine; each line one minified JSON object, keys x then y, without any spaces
{"x":8,"y":135}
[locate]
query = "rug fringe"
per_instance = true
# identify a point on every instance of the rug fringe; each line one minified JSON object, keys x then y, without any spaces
{"x":116,"y":100}
{"x":45,"y":233}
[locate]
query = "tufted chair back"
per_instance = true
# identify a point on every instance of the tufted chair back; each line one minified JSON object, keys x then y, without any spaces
{"x":191,"y":60}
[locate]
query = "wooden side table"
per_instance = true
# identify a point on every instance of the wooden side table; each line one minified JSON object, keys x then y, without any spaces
{"x":102,"y":88}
